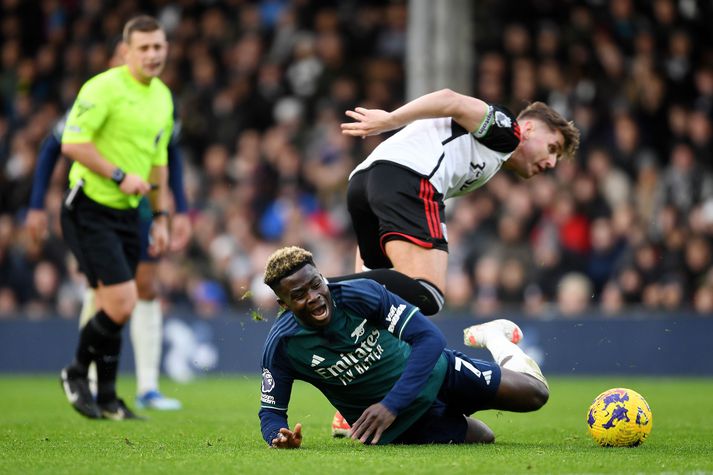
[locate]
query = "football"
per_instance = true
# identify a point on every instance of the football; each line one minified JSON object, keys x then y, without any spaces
{"x":619,"y":417}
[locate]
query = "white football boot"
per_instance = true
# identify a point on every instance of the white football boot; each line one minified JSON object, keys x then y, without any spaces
{"x":477,"y":335}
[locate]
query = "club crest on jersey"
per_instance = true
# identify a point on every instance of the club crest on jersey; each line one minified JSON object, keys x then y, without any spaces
{"x":268,"y":382}
{"x":502,"y":120}
{"x":358,"y":331}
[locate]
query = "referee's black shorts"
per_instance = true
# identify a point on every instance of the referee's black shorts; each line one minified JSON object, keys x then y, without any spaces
{"x":388,"y":202}
{"x":104,"y":240}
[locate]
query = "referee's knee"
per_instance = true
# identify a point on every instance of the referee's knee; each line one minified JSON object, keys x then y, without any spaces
{"x":119,"y":303}
{"x":120,"y":314}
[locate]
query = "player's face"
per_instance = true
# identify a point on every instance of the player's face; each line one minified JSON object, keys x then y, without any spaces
{"x":146,"y":54}
{"x":306,"y":294}
{"x":539,"y":150}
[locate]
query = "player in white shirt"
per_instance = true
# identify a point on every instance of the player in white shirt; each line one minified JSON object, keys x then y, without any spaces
{"x":451,"y":144}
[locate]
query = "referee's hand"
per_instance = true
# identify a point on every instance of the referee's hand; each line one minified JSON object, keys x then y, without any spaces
{"x":134,"y":185}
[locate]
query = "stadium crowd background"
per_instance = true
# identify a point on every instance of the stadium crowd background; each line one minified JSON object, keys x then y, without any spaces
{"x":262,"y":87}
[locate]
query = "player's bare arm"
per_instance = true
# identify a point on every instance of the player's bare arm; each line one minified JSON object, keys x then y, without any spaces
{"x":87,"y":154}
{"x":372,"y":423}
{"x":288,"y":439}
{"x":467,"y":111}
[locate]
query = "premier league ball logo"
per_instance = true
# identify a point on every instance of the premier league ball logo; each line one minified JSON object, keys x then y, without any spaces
{"x":268,"y":382}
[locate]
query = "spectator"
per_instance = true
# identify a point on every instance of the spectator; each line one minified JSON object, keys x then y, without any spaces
{"x":261,"y":86}
{"x":606,"y":252}
{"x":574,"y":295}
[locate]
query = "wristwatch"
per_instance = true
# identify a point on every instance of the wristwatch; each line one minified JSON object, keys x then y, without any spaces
{"x":118,"y":175}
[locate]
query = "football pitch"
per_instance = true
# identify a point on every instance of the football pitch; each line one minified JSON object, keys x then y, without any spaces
{"x":218,"y":431}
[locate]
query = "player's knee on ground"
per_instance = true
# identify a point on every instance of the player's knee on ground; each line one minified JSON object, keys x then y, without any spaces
{"x":478,"y":433}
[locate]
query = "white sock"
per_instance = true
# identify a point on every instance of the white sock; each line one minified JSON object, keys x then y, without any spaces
{"x":87,"y":312}
{"x":88,"y":308}
{"x":146,"y":337}
{"x":510,"y":356}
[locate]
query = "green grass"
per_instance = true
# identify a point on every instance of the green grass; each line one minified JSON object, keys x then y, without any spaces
{"x":218,"y":432}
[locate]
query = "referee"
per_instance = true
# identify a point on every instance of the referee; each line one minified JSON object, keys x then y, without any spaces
{"x":116,"y":134}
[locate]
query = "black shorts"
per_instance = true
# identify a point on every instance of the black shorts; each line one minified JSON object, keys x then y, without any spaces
{"x":388,"y":202}
{"x":104,"y":240}
{"x":439,"y":425}
{"x":470,"y":385}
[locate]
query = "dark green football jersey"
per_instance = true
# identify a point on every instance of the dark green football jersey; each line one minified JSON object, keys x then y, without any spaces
{"x":355,"y":360}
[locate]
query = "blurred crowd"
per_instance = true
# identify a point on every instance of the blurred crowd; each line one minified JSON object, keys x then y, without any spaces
{"x":263,"y":85}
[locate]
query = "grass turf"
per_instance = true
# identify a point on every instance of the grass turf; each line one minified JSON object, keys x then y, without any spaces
{"x":217,"y":431}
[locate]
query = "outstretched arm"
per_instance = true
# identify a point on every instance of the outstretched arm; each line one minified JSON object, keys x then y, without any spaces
{"x":275,"y":389}
{"x":467,"y":111}
{"x":276,"y":431}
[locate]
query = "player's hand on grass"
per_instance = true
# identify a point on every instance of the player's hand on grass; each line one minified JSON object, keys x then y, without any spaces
{"x":134,"y":185}
{"x":180,"y":231}
{"x":372,"y":423}
{"x":368,"y":122}
{"x":288,"y":439}
{"x":158,"y":242}
{"x":36,"y":223}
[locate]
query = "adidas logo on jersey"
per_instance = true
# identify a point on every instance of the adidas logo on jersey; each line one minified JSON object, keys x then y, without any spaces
{"x":487,"y":375}
{"x":316,"y":359}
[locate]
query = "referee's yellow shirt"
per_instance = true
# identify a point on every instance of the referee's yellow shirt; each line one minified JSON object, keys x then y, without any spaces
{"x":130,"y":123}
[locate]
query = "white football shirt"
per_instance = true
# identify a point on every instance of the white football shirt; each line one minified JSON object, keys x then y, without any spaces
{"x":454,"y":161}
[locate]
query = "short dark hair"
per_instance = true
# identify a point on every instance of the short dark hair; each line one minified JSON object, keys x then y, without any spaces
{"x":143,"y":23}
{"x":285,"y":262}
{"x":554,"y":120}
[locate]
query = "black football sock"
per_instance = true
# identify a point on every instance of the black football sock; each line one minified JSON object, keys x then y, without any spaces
{"x":417,"y":292}
{"x":108,"y":347}
{"x":91,"y":341}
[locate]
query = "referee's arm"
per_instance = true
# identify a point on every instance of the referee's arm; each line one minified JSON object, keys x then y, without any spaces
{"x":88,"y":155}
